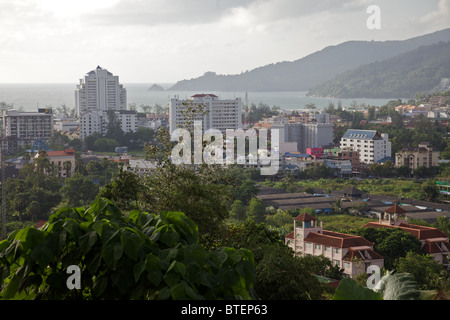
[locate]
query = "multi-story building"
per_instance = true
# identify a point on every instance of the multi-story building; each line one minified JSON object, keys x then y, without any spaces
{"x":354,"y":254}
{"x":97,"y":121}
{"x":433,"y":241}
{"x":63,"y":161}
{"x":306,"y":135}
{"x":421,"y":156}
{"x":371,"y":145}
{"x":98,"y":97}
{"x":100,"y":90}
{"x":22,"y":129}
{"x":216,"y":113}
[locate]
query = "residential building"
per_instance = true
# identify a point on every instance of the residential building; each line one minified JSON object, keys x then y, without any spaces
{"x":354,"y":254}
{"x":97,"y":121}
{"x":421,"y":156}
{"x":217,"y":114}
{"x":21,"y":129}
{"x":349,"y":154}
{"x":307,"y":135}
{"x":100,"y":90}
{"x":434,"y":241}
{"x":371,"y":145}
{"x":315,"y":152}
{"x":98,"y":97}
{"x":63,"y":161}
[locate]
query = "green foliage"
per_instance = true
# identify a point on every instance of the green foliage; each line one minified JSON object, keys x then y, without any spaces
{"x":391,"y":243}
{"x":142,"y":256}
{"x":256,"y":210}
{"x":428,"y":273}
{"x":79,"y":191}
{"x":417,"y":71}
{"x":349,"y":289}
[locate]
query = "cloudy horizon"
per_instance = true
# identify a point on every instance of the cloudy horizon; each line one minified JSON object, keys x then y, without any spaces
{"x":161,"y":41}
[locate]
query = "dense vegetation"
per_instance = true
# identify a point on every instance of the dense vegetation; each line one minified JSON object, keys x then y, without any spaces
{"x":418,"y":71}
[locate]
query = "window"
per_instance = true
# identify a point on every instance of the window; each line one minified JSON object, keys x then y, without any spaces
{"x":326,"y":248}
{"x":346,"y":265}
{"x":336,"y":263}
{"x":336,"y":250}
{"x":317,"y":246}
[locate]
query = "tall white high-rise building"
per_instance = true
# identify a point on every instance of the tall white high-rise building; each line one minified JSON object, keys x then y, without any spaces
{"x":100,"y":90}
{"x":97,"y":94}
{"x":218,"y":114}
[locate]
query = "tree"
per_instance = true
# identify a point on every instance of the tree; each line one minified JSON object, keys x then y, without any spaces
{"x":142,"y":256}
{"x":67,"y":166}
{"x":256,"y":210}
{"x":391,"y":243}
{"x":237,"y":210}
{"x":79,"y":190}
{"x":431,"y":191}
{"x":428,"y":273}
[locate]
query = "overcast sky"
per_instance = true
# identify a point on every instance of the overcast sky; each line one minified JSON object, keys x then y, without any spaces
{"x":161,"y":41}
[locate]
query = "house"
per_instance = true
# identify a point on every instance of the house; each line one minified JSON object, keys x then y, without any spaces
{"x":63,"y":161}
{"x":434,"y":241}
{"x":354,"y":254}
{"x":421,"y":156}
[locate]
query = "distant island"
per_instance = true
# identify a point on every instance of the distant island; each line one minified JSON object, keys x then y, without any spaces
{"x":156,"y":87}
{"x":306,"y":73}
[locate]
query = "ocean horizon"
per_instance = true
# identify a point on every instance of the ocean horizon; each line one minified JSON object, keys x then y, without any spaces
{"x":30,"y":96}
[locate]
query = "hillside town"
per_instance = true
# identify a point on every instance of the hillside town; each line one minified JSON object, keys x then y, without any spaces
{"x":330,"y":162}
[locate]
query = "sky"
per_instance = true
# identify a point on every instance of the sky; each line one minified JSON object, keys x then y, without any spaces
{"x":164,"y":41}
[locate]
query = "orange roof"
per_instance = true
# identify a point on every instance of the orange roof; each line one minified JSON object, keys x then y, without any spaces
{"x":420,"y":232}
{"x":337,"y":239}
{"x":395,"y":209}
{"x":357,"y":254}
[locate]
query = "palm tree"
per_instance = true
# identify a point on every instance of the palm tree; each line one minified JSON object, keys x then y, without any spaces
{"x":67,"y":166}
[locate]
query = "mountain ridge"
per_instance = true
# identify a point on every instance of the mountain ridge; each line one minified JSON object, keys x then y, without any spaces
{"x":307,"y":72}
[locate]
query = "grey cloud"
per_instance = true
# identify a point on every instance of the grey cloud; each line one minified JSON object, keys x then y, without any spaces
{"x":157,"y":12}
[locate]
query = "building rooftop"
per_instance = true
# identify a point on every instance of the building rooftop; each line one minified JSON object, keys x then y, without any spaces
{"x":361,"y":134}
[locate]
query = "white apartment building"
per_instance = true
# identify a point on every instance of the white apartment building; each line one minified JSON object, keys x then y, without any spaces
{"x":100,"y":90}
{"x":97,"y":121}
{"x":97,"y":94}
{"x":22,"y":129}
{"x":219,"y":114}
{"x":371,"y":145}
{"x":352,"y":253}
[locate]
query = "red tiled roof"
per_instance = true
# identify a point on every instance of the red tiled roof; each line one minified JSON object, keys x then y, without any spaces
{"x":420,"y":232}
{"x":395,"y":209}
{"x":290,"y":235}
{"x":358,"y":254}
{"x":40,"y":223}
{"x":305,"y":217}
{"x":336,"y":239}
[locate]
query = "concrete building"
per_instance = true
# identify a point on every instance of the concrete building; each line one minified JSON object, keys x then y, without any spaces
{"x":371,"y":145}
{"x":24,"y":128}
{"x":100,"y":90}
{"x":218,"y":114}
{"x":434,"y":242}
{"x":97,"y":96}
{"x":97,"y":121}
{"x":421,"y":156}
{"x":307,"y":135}
{"x":352,"y":253}
{"x":63,"y":161}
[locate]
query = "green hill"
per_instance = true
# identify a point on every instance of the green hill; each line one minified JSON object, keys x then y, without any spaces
{"x":417,"y":71}
{"x":307,"y":72}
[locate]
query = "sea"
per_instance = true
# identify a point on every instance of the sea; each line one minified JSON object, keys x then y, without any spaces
{"x":29,"y":97}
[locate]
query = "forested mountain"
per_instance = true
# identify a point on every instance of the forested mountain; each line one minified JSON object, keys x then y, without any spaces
{"x":417,"y":71}
{"x":305,"y":73}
